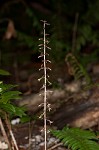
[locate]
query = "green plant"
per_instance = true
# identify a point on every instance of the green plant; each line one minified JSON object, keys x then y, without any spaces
{"x":8,"y":109}
{"x":6,"y":96}
{"x":77,"y":139}
{"x":76,"y":69}
{"x":42,"y":48}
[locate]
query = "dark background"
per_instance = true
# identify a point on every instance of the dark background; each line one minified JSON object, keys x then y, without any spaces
{"x":74,"y":27}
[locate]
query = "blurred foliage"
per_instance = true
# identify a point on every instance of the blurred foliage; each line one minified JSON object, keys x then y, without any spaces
{"x":76,"y":69}
{"x":61,"y":14}
{"x":6,"y":96}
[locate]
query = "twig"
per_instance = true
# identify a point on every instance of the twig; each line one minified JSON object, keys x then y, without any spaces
{"x":4,"y":134}
{"x":30,"y":135}
{"x":11,"y":132}
{"x":55,"y":146}
{"x":13,"y":139}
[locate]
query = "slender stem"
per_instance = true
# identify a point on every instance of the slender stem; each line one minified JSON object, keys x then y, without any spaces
{"x":11,"y":132}
{"x":4,"y":134}
{"x":14,"y":141}
{"x":55,"y":146}
{"x":45,"y":128}
{"x":29,"y":135}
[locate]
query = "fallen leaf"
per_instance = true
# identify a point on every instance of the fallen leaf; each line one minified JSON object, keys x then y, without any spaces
{"x":10,"y":32}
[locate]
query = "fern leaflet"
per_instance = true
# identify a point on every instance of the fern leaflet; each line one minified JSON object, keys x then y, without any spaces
{"x":76,"y":69}
{"x":77,"y":139}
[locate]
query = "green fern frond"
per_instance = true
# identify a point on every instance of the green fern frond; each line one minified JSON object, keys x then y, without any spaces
{"x":79,"y":72}
{"x":77,"y":139}
{"x":77,"y":69}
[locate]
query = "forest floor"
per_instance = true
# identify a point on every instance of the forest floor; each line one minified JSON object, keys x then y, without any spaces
{"x":29,"y":136}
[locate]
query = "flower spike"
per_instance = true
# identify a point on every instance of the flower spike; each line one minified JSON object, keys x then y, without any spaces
{"x":42,"y":48}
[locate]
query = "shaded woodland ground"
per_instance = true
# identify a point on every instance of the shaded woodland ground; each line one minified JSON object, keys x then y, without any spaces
{"x":73,"y":29}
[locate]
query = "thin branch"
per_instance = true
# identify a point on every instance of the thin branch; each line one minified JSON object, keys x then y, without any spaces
{"x":11,"y":132}
{"x":4,"y":133}
{"x":55,"y":146}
